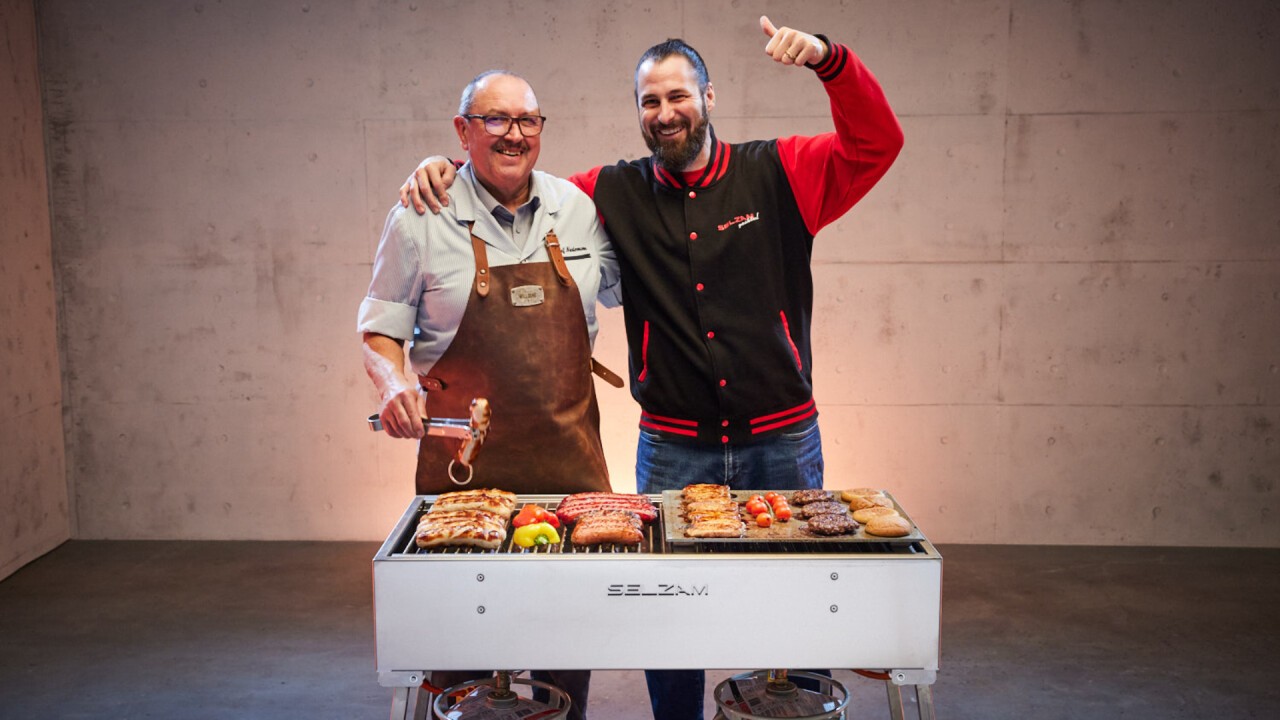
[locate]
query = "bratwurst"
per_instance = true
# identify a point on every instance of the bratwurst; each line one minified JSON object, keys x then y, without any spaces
{"x":576,"y":505}
{"x":602,"y":527}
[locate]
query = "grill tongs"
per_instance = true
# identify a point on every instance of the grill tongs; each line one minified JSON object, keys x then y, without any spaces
{"x":471,"y":431}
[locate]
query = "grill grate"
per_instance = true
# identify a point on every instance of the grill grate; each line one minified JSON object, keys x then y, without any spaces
{"x":652,"y":543}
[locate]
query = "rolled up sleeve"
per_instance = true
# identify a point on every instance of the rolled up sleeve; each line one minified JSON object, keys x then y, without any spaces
{"x":391,"y":307}
{"x":388,"y":318}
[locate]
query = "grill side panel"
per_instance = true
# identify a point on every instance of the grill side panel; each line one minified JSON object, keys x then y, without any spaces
{"x":658,"y":611}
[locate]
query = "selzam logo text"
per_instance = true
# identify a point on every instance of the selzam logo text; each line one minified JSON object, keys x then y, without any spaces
{"x":739,"y":221}
{"x":657,"y":590}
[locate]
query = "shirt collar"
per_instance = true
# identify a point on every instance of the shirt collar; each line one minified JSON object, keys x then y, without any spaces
{"x":469,"y":204}
{"x":497,"y":209}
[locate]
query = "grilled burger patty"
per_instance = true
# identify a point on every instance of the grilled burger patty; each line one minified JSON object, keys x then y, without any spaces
{"x":822,"y":507}
{"x":833,"y":524}
{"x":804,"y":497}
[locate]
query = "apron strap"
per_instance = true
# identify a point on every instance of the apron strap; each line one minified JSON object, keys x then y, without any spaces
{"x":482,"y":263}
{"x":557,"y":258}
{"x":605,"y":373}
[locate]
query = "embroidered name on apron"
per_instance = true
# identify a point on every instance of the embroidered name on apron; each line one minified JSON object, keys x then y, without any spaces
{"x":526,"y":295}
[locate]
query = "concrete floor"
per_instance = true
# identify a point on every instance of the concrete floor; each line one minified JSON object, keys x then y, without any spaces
{"x":242,"y":630}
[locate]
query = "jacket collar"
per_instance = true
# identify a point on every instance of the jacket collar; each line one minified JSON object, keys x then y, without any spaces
{"x":716,"y":167}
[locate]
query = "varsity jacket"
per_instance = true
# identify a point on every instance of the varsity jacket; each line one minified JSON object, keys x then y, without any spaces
{"x":716,"y":283}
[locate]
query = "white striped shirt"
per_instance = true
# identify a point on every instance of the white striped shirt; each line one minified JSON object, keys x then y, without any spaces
{"x":425,"y":266}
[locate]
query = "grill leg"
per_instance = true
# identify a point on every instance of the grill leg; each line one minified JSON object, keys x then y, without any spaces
{"x":422,"y":704}
{"x":400,"y":703}
{"x":895,"y":700}
{"x":924,"y":696}
{"x":924,"y":701}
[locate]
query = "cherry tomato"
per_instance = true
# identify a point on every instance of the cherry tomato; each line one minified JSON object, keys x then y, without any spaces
{"x":778,"y":500}
{"x":756,"y":507}
{"x":770,"y":496}
{"x":755,"y":498}
{"x":764,"y":520}
{"x":782,"y":512}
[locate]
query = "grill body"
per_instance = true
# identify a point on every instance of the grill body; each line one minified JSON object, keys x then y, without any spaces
{"x":659,"y":606}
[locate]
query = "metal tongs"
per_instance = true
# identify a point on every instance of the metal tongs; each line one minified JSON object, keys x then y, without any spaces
{"x":471,"y":431}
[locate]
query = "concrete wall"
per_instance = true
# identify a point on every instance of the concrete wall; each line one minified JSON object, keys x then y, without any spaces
{"x":33,"y":480}
{"x":1053,"y":322}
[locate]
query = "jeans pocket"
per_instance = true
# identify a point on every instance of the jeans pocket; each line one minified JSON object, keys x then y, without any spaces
{"x":802,"y":433}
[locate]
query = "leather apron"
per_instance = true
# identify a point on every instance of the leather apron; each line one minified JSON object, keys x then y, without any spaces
{"x":523,"y":344}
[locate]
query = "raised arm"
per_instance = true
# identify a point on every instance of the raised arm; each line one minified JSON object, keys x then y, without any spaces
{"x":831,"y":172}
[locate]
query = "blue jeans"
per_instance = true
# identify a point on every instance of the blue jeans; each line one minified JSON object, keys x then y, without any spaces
{"x":787,"y":461}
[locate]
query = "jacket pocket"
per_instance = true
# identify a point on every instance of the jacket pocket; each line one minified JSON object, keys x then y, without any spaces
{"x":786,"y":331}
{"x":644,"y":354}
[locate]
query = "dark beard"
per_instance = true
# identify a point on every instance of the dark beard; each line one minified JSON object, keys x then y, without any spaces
{"x":676,"y":156}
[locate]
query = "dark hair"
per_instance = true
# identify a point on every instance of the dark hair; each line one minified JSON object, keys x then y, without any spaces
{"x":469,"y":92}
{"x":676,"y":46}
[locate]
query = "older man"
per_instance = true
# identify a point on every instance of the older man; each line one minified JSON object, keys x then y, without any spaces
{"x":714,"y":241}
{"x":497,"y":299}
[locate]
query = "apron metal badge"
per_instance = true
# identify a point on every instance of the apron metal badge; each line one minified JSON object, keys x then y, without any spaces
{"x":526,"y":295}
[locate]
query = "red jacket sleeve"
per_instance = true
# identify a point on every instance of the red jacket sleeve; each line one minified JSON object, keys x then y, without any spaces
{"x":586,"y":181}
{"x":831,"y":172}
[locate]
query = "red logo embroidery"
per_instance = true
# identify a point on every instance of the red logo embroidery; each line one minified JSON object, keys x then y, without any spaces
{"x":739,"y":221}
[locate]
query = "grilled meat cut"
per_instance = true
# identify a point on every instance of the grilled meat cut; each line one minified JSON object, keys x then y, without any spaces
{"x":717,"y":526}
{"x":601,"y":527}
{"x":493,"y":500}
{"x":704,"y":491}
{"x":477,"y":528}
{"x":709,"y":506}
{"x":575,"y":506}
{"x":694,"y":516}
{"x":822,"y":507}
{"x":833,"y":524}
{"x":804,"y":497}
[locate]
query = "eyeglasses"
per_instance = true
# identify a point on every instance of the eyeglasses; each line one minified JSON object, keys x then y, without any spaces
{"x":529,"y":125}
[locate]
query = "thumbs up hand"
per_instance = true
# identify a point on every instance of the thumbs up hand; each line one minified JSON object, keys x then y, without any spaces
{"x":790,"y":46}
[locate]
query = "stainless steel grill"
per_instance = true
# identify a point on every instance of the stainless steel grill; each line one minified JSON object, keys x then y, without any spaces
{"x":657,"y":605}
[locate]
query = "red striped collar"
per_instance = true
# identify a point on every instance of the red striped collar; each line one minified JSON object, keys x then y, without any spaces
{"x":711,"y":174}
